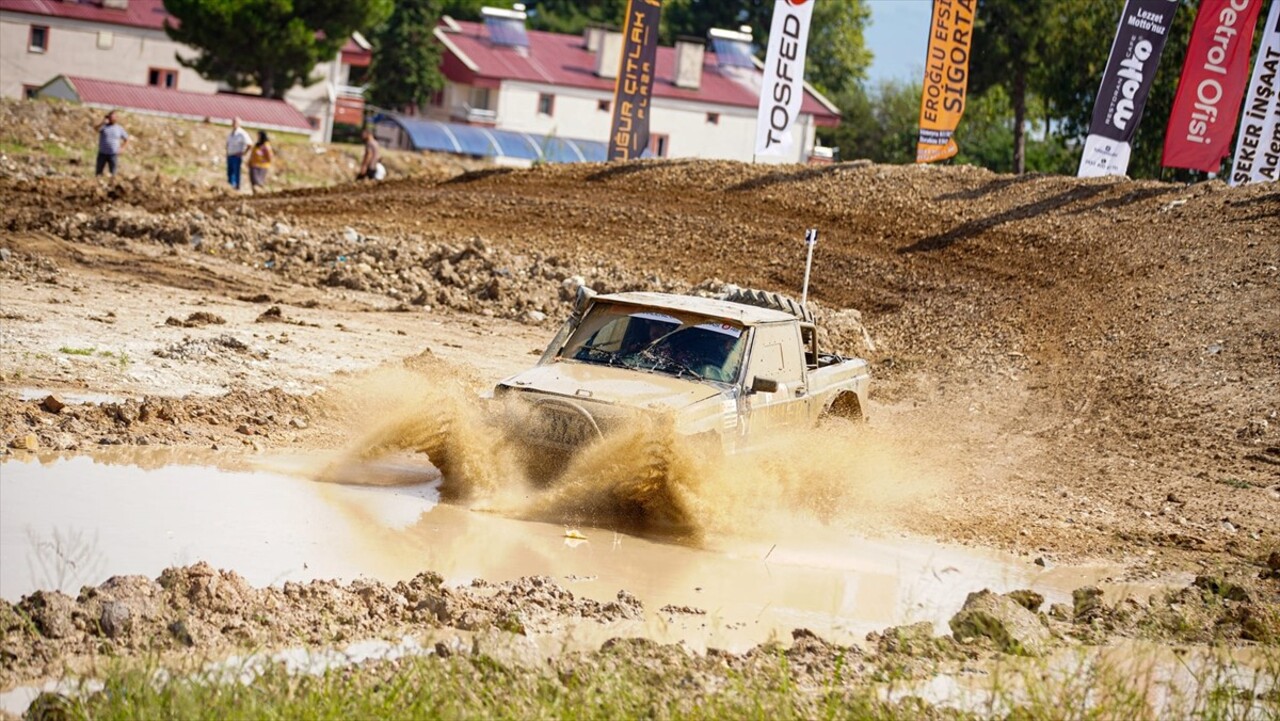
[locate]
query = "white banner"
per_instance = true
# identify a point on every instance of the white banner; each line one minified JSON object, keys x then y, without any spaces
{"x":1103,"y":156}
{"x":1258,"y":142}
{"x":783,"y":88}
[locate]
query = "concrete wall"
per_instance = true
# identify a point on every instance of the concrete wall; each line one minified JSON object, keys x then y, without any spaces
{"x":73,"y":49}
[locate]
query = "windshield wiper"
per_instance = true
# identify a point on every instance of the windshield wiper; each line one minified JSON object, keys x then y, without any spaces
{"x":609,"y":355}
{"x":665,"y":362}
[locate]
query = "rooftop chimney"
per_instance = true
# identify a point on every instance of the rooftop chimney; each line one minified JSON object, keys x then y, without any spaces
{"x":116,"y":4}
{"x":689,"y":52}
{"x":591,"y":36}
{"x":609,"y":55}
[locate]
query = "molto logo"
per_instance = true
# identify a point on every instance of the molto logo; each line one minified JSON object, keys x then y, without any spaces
{"x":788,"y":74}
{"x":1130,"y":82}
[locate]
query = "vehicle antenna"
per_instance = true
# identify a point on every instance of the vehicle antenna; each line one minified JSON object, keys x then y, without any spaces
{"x":810,"y":239}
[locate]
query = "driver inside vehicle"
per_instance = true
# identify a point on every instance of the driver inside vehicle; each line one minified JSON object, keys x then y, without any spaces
{"x":711,"y":350}
{"x":660,"y":342}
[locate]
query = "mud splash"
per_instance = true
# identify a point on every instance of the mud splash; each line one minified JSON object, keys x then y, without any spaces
{"x":645,"y":479}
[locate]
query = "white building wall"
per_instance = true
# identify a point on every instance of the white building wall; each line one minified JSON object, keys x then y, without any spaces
{"x":316,"y":100}
{"x":689,"y":130}
{"x":73,"y":49}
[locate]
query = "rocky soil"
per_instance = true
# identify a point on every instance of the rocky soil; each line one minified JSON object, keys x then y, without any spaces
{"x":202,"y":610}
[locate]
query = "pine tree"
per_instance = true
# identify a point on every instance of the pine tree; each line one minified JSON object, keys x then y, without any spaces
{"x":273,"y":44}
{"x":406,"y":56}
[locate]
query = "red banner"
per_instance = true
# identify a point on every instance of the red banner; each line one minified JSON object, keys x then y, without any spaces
{"x":1212,"y":85}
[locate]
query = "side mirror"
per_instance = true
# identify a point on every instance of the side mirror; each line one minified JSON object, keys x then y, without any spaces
{"x":764,"y":385}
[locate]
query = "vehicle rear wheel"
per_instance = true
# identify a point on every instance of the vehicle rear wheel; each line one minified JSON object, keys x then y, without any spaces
{"x":845,"y":407}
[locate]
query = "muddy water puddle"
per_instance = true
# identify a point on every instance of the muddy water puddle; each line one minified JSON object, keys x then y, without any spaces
{"x":73,"y":521}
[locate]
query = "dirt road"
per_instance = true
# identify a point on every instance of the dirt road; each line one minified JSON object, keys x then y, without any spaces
{"x":1088,"y":367}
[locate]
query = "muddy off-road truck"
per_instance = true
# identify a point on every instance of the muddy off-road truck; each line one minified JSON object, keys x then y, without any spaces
{"x":722,"y":370}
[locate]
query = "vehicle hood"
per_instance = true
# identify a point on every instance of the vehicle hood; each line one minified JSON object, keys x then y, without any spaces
{"x":618,"y":386}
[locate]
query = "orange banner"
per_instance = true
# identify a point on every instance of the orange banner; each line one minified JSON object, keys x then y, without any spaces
{"x":946,"y":79}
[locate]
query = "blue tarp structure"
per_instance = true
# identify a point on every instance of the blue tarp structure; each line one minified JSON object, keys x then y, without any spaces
{"x":490,"y":142}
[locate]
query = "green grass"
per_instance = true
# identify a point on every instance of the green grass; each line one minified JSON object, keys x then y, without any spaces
{"x":668,"y":686}
{"x":1235,"y":482}
{"x":69,"y":350}
{"x":121,"y":358}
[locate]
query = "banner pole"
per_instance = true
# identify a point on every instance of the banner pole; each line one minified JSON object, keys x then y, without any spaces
{"x":811,"y":240}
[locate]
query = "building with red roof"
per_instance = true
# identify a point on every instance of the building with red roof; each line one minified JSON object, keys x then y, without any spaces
{"x":255,"y":111}
{"x":123,"y":43}
{"x":553,"y":85}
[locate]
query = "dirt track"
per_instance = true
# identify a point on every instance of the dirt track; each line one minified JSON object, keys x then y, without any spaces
{"x":1094,"y":363}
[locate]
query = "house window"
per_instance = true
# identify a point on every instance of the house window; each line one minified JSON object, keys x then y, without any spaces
{"x":546,"y":104}
{"x":658,"y":145}
{"x":713,"y":118}
{"x":479,"y":98}
{"x":602,"y":106}
{"x":29,"y":91}
{"x":38,"y":39}
{"x":162,"y":78}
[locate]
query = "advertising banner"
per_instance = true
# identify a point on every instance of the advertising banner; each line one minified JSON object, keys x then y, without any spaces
{"x":1212,"y":84}
{"x":783,"y":88}
{"x":946,"y":79}
{"x":629,"y":134}
{"x":1258,"y":144}
{"x":1126,"y":82}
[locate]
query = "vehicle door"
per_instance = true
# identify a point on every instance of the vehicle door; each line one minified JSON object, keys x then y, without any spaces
{"x":776,"y":356}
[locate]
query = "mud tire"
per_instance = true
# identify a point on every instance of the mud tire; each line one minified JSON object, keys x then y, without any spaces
{"x":773,"y":301}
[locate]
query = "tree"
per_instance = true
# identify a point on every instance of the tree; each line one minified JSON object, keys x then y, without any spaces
{"x":837,"y":56}
{"x":405,"y":71}
{"x":573,"y":16}
{"x":695,"y":17}
{"x":1009,"y":39}
{"x":463,"y":9}
{"x":880,"y":125}
{"x":273,"y":44}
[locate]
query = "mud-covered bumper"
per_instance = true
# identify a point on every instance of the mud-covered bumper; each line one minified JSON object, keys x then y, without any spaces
{"x":559,"y":424}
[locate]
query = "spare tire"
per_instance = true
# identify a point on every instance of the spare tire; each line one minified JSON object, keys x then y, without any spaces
{"x":766,"y":299}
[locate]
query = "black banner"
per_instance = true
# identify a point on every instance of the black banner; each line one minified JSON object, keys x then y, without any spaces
{"x":629,"y":136}
{"x":1131,"y":69}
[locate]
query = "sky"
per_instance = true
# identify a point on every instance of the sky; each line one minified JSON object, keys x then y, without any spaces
{"x":898,"y":36}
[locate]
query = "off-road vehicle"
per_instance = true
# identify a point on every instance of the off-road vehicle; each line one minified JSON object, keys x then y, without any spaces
{"x":722,"y":370}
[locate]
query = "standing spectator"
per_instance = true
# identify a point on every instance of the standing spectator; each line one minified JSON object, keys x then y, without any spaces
{"x":372,"y":157}
{"x":260,"y":161}
{"x":111,"y":140}
{"x":238,"y":144}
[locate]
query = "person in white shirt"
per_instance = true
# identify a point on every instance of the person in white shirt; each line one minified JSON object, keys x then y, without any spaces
{"x":239,"y":143}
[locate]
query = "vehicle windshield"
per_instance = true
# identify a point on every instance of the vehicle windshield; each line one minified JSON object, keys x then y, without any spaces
{"x":678,"y":344}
